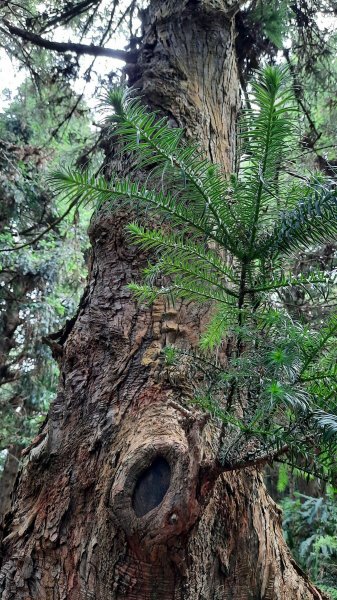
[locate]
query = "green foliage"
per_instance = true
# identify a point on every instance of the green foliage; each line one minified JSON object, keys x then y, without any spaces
{"x":41,"y":273}
{"x":272,"y":17}
{"x":323,"y":106}
{"x":310,"y":531}
{"x":170,"y":355}
{"x":331,"y":591}
{"x":35,"y":117}
{"x":234,"y":245}
{"x":283,"y":479}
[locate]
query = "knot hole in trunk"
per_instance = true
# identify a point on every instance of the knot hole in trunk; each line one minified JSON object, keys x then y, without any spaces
{"x":151,"y":486}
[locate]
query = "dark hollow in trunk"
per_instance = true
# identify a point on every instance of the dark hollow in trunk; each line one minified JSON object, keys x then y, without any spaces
{"x":151,"y":486}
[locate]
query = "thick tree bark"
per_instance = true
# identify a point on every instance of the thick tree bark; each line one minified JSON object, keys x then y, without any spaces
{"x":115,"y":501}
{"x":7,"y":479}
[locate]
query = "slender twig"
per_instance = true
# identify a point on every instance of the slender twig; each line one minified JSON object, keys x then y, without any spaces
{"x":43,"y":233}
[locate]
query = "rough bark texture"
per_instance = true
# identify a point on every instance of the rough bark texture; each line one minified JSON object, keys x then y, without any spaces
{"x":120,"y":433}
{"x":7,"y":479}
{"x":10,"y":320}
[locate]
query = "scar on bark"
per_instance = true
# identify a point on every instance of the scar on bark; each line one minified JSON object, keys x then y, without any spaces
{"x":162,"y":483}
{"x":153,"y":496}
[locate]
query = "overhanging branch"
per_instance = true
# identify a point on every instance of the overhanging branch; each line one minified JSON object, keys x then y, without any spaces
{"x":62,"y":47}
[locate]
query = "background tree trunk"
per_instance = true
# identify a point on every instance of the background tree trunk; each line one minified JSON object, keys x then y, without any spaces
{"x":7,"y":479}
{"x":115,"y":501}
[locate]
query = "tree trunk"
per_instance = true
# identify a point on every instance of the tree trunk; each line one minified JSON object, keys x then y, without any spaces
{"x":115,"y":501}
{"x":7,"y":479}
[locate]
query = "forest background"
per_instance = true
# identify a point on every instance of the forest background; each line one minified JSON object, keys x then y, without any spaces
{"x":52,"y":118}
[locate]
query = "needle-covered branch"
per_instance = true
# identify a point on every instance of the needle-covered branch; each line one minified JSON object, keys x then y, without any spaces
{"x":62,"y":47}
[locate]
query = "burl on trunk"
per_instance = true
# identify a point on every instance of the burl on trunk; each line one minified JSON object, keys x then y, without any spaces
{"x":117,"y":499}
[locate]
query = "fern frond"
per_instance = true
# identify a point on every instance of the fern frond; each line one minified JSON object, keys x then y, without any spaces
{"x":190,"y":273}
{"x":327,"y":424}
{"x":266,"y":133}
{"x":328,"y":376}
{"x":144,"y":293}
{"x":316,"y":344}
{"x":80,"y":185}
{"x":312,"y":222}
{"x":185,"y":288}
{"x":183,"y":249}
{"x":90,"y":189}
{"x":156,"y":142}
{"x":316,"y":278}
{"x":217,"y":328}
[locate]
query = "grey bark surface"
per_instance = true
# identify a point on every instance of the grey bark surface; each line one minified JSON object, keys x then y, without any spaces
{"x":74,"y":533}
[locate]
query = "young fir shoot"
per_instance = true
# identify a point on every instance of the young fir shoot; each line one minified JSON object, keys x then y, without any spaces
{"x":234,"y":242}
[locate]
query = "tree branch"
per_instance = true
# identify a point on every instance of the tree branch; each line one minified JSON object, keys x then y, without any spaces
{"x":70,"y":13}
{"x":62,"y":47}
{"x":43,"y":233}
